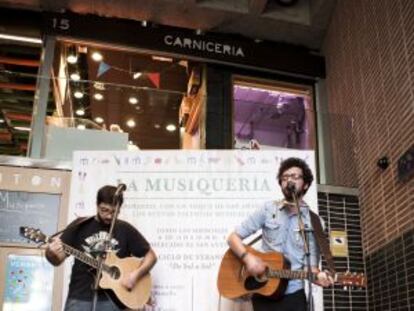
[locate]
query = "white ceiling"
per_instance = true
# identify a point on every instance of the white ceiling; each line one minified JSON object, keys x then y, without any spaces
{"x":304,"y":23}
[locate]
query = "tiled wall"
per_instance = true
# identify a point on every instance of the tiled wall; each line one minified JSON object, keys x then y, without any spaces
{"x":391,"y":274}
{"x":341,"y":213}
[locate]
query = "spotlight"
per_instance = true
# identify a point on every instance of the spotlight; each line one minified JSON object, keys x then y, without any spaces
{"x":133,"y":100}
{"x":97,"y":57}
{"x":383,"y":163}
{"x":99,"y":120}
{"x":130,"y":123}
{"x":78,"y":94}
{"x":75,"y":76}
{"x":144,"y":23}
{"x":72,"y":58}
{"x":98,"y":96}
{"x":170,"y":128}
{"x":80,"y":112}
{"x":136,"y":75}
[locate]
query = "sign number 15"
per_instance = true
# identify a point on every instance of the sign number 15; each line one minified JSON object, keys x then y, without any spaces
{"x":61,"y":23}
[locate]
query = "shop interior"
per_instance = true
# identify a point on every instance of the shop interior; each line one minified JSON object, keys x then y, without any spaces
{"x":272,"y":115}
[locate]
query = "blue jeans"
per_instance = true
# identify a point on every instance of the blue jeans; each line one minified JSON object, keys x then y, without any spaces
{"x":86,"y":305}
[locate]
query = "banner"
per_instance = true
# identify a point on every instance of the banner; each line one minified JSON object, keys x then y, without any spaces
{"x":185,"y":203}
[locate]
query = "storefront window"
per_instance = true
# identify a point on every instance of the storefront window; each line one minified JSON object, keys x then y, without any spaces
{"x":272,"y":116}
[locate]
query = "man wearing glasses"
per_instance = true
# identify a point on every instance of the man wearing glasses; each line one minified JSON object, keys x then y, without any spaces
{"x":90,"y":236}
{"x":279,"y":223}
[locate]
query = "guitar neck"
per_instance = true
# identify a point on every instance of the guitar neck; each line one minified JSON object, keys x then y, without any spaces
{"x":81,"y":256}
{"x":290,"y":274}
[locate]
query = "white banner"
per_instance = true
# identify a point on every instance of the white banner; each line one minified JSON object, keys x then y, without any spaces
{"x":185,"y":203}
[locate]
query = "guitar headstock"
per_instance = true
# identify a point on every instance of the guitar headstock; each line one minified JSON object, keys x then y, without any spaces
{"x":33,"y":234}
{"x":351,"y":279}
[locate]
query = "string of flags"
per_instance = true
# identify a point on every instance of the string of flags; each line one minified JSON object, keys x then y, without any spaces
{"x":154,"y":77}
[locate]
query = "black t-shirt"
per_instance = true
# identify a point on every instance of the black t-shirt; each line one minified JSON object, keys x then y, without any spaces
{"x":89,"y":237}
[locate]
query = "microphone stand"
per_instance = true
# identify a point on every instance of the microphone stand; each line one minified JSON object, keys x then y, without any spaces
{"x":310,"y":306}
{"x":101,"y":256}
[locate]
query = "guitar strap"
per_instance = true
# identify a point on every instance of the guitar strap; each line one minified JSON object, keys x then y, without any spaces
{"x":76,"y":222}
{"x":322,"y":241}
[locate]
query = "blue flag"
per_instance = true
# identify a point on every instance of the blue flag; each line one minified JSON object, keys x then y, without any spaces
{"x":103,"y":67}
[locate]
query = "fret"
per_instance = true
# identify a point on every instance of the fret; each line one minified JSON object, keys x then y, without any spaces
{"x":84,"y":258}
{"x":289,"y":274}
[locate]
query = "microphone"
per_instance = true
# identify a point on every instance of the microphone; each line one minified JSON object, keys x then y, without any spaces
{"x":121,"y":188}
{"x":291,"y":187}
{"x":117,"y":198}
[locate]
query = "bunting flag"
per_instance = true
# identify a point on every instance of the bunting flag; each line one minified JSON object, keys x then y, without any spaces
{"x":103,"y":67}
{"x":154,"y":78}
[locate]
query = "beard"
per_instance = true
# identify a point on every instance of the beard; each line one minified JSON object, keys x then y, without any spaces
{"x":103,"y":221}
{"x":289,"y":194}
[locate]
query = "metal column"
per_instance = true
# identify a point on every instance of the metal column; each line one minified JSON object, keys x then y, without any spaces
{"x":41,"y":98}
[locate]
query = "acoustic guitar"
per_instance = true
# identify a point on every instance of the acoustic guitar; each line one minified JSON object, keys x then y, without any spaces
{"x":235,"y":282}
{"x":113,"y":269}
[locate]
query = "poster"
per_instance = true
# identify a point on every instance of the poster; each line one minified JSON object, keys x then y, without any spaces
{"x":185,"y":203}
{"x":28,"y":285}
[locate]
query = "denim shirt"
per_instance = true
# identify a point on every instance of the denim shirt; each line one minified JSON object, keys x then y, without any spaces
{"x":281,"y":234}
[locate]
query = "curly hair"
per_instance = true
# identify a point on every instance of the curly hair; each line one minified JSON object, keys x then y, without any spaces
{"x":106,"y":195}
{"x":296,"y":162}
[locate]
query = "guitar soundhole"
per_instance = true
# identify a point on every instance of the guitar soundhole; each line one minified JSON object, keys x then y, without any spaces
{"x":114,"y":272}
{"x":251,"y":283}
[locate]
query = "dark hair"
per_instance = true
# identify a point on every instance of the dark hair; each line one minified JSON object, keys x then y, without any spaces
{"x":106,"y":195}
{"x":296,"y":162}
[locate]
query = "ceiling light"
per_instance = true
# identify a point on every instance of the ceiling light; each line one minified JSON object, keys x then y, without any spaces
{"x":81,"y":127}
{"x":157,"y":126}
{"x":98,"y":96}
{"x":170,"y":127}
{"x":199,"y":32}
{"x":75,"y":76}
{"x":80,"y":112}
{"x":2,"y":121}
{"x":20,"y":38}
{"x":162,"y":59}
{"x":97,"y":57}
{"x":72,"y":59}
{"x":130,"y":123}
{"x":78,"y":94}
{"x":99,"y":120}
{"x":133,"y":100}
{"x":22,"y":128}
{"x":136,"y":75}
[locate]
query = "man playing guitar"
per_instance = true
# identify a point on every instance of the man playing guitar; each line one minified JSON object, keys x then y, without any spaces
{"x":279,"y":223}
{"x":89,"y":236}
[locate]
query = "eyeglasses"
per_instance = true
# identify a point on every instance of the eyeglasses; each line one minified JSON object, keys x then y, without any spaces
{"x":286,"y":177}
